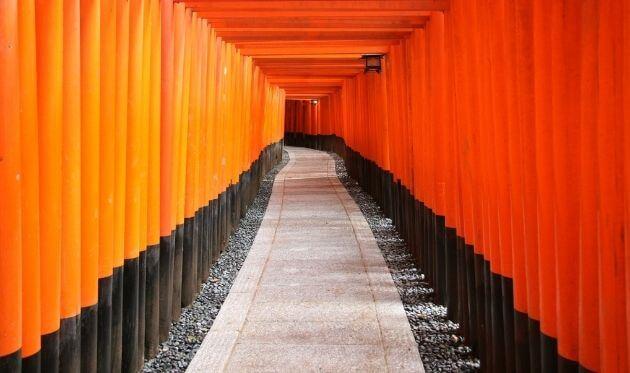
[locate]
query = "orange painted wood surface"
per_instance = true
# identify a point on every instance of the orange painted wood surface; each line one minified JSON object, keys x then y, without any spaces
{"x":513,"y":130}
{"x":510,"y":119}
{"x":111,"y":129}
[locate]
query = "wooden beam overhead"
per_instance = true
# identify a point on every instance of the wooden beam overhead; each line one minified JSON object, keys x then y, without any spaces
{"x":333,"y":24}
{"x":309,"y":13}
{"x":301,"y":62}
{"x":315,"y":50}
{"x":280,"y":30}
{"x":310,"y":43}
{"x":306,"y":96}
{"x":426,"y":5}
{"x":292,"y":72}
{"x":314,"y":56}
{"x":311,"y":47}
{"x":314,"y":47}
{"x":305,"y":80}
{"x":311,"y":90}
{"x":306,"y":34}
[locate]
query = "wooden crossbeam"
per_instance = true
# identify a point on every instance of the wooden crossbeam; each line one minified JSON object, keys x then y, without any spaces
{"x":310,"y":47}
{"x":426,"y":5}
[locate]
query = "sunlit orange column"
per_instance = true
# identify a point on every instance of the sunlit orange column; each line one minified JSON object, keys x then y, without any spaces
{"x":107,"y":156}
{"x":120,"y":170}
{"x":131,"y":281}
{"x":167,"y":225}
{"x":588,"y":308}
{"x":90,"y":127}
{"x":152,"y":290}
{"x":566,"y":156}
{"x":545,"y":178}
{"x":189,"y":256}
{"x":609,"y":136}
{"x":10,"y":184}
{"x":70,"y":358}
{"x":29,"y":143}
{"x":49,"y":40}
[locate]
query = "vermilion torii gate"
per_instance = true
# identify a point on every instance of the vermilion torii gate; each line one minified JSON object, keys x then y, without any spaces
{"x":133,"y":134}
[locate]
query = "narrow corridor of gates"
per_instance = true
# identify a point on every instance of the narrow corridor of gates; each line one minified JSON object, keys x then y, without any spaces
{"x":134,"y":135}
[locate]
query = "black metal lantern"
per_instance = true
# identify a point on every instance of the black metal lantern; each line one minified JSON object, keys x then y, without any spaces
{"x":372,"y":62}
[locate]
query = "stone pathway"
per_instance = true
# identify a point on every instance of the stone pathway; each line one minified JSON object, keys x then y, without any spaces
{"x":314,"y":294}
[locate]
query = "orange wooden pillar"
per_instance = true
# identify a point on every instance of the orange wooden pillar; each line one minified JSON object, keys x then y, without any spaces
{"x":588,"y":339}
{"x":526,"y":272}
{"x":201,"y":176}
{"x":438,"y":96}
{"x":120,"y":169}
{"x":132,"y":193}
{"x":90,"y":126}
{"x":49,"y":39}
{"x":189,"y":253}
{"x":152,"y":290}
{"x":211,"y":115}
{"x":215,"y":72}
{"x":480,"y":241}
{"x":70,"y":328}
{"x":203,"y":200}
{"x":566,"y":166}
{"x":485,"y":269}
{"x":178,"y":68}
{"x":462,"y":65}
{"x":609,"y":142}
{"x":10,"y":184}
{"x":626,"y":159}
{"x":186,"y":45}
{"x":167,"y":226}
{"x":545,"y":177}
{"x":147,"y":256}
{"x":501,"y":90}
{"x":143,"y":173}
{"x":221,"y":139}
{"x":31,"y":296}
{"x":417,"y":89}
{"x":289,"y":120}
{"x":106,"y":181}
{"x":300,"y":118}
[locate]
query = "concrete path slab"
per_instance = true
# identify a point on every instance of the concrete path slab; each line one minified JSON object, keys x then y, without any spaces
{"x":314,"y":294}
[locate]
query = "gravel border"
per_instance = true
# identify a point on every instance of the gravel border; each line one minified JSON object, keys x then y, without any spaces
{"x":188,"y":332}
{"x":441,"y":349}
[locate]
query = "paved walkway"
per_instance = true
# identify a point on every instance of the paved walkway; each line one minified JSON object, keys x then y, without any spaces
{"x":314,"y":293}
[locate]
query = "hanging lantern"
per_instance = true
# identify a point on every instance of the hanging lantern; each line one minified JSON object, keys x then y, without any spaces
{"x":314,"y":102}
{"x":372,"y":62}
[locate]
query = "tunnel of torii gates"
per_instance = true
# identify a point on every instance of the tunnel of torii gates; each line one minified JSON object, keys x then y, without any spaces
{"x":135,"y":133}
